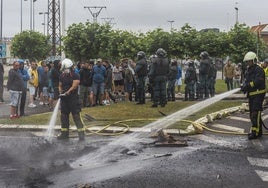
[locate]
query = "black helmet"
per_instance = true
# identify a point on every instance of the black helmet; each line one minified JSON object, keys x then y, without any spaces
{"x":204,"y":55}
{"x":191,"y":64}
{"x":160,"y":52}
{"x":140,"y":54}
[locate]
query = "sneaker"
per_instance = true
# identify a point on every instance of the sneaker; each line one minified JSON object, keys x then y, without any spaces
{"x":31,"y":105}
{"x":41,"y":103}
{"x":15,"y":116}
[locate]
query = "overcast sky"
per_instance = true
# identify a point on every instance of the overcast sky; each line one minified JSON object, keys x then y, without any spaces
{"x":143,"y":15}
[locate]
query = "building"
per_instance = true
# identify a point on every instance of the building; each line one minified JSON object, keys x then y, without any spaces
{"x":262,"y":31}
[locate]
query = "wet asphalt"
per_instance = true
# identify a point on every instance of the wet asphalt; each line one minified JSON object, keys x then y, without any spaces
{"x":210,"y":159}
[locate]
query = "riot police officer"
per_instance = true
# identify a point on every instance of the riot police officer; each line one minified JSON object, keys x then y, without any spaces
{"x":190,"y":82}
{"x":171,"y":80}
{"x":203,"y":74}
{"x":68,"y":87}
{"x":212,"y":75}
{"x":141,"y":73}
{"x":158,"y":73}
{"x":254,"y":86}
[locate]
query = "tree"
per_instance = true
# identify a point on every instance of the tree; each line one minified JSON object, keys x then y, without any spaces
{"x":242,"y":41}
{"x":30,"y":45}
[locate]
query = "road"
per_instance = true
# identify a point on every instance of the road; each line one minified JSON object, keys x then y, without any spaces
{"x":210,"y":160}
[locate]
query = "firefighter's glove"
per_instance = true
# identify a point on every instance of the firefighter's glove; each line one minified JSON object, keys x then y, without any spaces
{"x":244,"y":88}
{"x":62,"y":95}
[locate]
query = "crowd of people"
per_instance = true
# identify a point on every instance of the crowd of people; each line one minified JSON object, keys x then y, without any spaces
{"x":98,"y":82}
{"x":103,"y":83}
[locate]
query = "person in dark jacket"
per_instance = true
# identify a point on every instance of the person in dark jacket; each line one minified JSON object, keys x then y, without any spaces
{"x":171,"y":80}
{"x":25,"y":77}
{"x":254,"y":86}
{"x":158,"y":73}
{"x":85,"y":83}
{"x":141,"y":73}
{"x":15,"y":87}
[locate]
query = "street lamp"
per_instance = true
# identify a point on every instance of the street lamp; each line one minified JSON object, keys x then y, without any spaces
{"x":44,"y":23}
{"x":34,"y":15}
{"x":171,"y":22}
{"x":31,"y":14}
{"x":236,"y":10}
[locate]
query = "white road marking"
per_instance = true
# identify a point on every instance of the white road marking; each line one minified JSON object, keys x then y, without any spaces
{"x":239,"y":118}
{"x":263,"y":174}
{"x":228,"y":128}
{"x":261,"y":162}
{"x":212,"y":140}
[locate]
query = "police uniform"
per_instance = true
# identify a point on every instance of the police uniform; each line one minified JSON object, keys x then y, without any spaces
{"x":70,"y":104}
{"x":203,"y":74}
{"x":158,"y":73}
{"x":190,"y":81}
{"x":141,"y":73}
{"x":254,"y":86}
{"x":173,"y":72}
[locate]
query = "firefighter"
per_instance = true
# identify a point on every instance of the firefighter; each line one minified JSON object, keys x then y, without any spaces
{"x":254,"y":86}
{"x":68,"y":88}
{"x":141,"y":73}
{"x":158,"y":73}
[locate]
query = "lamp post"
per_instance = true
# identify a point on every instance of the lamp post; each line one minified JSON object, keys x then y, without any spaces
{"x":236,"y":11}
{"x":44,"y":23}
{"x":34,"y":15}
{"x":171,"y":22}
{"x":31,"y":14}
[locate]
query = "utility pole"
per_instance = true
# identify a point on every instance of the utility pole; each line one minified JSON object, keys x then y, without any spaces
{"x":96,"y":13}
{"x":108,"y":20}
{"x":236,"y":12}
{"x":171,"y":22}
{"x":53,"y":28}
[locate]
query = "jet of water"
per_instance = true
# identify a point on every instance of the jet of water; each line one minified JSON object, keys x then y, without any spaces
{"x":132,"y":139}
{"x":52,"y":122}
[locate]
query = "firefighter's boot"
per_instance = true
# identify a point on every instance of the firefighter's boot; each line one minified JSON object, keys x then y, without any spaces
{"x":81,"y":136}
{"x":64,"y":135}
{"x":252,"y":135}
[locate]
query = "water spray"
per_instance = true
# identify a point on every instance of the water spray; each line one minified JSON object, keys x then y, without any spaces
{"x":132,"y":139}
{"x":52,"y":122}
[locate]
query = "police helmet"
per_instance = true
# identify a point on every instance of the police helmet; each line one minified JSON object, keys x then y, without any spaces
{"x":191,"y":64}
{"x":160,"y":52}
{"x":66,"y":64}
{"x":204,"y":55}
{"x":250,"y":56}
{"x":141,"y":54}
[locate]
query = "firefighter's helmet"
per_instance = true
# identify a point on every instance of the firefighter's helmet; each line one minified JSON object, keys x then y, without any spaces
{"x":250,"y":56}
{"x":66,"y":64}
